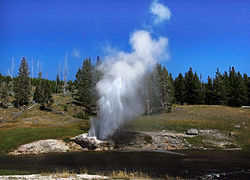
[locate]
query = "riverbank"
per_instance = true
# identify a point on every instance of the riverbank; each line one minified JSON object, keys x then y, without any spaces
{"x":217,"y":126}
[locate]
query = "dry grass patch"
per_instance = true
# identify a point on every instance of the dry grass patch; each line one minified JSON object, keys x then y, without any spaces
{"x":128,"y":175}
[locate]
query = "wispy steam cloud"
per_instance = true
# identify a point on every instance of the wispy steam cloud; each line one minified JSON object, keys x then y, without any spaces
{"x":160,"y":12}
{"x":76,"y":53}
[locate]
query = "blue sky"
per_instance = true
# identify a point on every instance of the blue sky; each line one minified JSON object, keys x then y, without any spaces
{"x":203,"y":35}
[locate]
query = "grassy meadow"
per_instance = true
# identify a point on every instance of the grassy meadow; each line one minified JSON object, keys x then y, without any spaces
{"x":66,"y":120}
{"x":201,"y":117}
{"x":33,"y":124}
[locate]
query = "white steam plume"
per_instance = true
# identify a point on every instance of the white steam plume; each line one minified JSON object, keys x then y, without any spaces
{"x":160,"y":12}
{"x":120,"y":89}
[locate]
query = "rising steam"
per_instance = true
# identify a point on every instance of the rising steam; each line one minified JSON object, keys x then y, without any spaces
{"x":119,"y":89}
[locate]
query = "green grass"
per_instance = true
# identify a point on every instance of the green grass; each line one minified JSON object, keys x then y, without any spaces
{"x":222,"y":118}
{"x":34,"y":124}
{"x":12,"y":138}
{"x":13,"y":172}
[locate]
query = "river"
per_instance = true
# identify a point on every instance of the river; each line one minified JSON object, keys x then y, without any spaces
{"x":187,"y":164}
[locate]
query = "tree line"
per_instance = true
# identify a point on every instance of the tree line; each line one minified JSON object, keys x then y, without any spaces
{"x":229,"y":88}
{"x":160,"y":91}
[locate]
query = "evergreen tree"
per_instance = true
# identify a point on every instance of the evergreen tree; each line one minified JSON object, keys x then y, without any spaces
{"x":38,"y":94}
{"x":97,"y":75}
{"x":209,"y":92}
{"x":168,"y":90}
{"x":22,"y":85}
{"x":153,"y":93}
{"x":58,"y":84}
{"x":47,"y":99}
{"x":247,"y":84}
{"x":242,"y":90}
{"x":237,"y":91}
{"x":71,"y":86}
{"x":4,"y":94}
{"x":197,"y":89}
{"x":84,"y":78}
{"x":159,"y":91}
{"x":171,"y":86}
{"x":192,"y":87}
{"x":179,"y":87}
{"x":227,"y":87}
{"x":202,"y":93}
{"x":219,"y":87}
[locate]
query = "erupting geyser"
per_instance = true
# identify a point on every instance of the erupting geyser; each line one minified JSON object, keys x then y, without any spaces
{"x":119,"y":89}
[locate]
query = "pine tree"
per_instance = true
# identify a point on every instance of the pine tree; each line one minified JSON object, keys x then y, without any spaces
{"x":85,"y":85}
{"x":43,"y":93}
{"x":159,"y":91}
{"x":192,"y":87}
{"x":96,"y":76}
{"x":38,"y":94}
{"x":168,"y":91}
{"x":242,"y":90}
{"x":197,"y":89}
{"x":179,"y":87}
{"x":227,"y":87}
{"x":171,"y":86}
{"x":247,"y":84}
{"x":4,"y":94}
{"x":47,"y":99}
{"x":58,"y":84}
{"x":236,"y":85}
{"x":71,"y":86}
{"x":22,"y":85}
{"x":209,"y":92}
{"x":219,"y":87}
{"x":153,"y":93}
{"x":202,"y":93}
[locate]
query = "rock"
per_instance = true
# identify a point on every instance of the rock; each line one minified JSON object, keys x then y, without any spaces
{"x":237,"y":126}
{"x":74,"y":147}
{"x":192,"y":132}
{"x":245,"y":107}
{"x":42,"y":146}
{"x":91,"y":143}
{"x":231,"y":134}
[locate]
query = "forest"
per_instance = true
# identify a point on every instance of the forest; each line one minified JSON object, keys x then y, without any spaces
{"x":159,"y":92}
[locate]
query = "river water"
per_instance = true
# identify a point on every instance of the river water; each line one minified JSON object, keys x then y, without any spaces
{"x":187,"y":164}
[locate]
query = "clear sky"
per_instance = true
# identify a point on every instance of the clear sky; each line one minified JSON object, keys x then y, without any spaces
{"x":203,"y":35}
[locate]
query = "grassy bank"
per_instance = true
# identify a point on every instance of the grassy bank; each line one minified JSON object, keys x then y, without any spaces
{"x":19,"y":126}
{"x":11,"y":138}
{"x":221,"y":118}
{"x":63,"y":122}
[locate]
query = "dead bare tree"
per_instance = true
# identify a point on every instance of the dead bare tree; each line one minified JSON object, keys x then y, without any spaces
{"x":37,"y":67}
{"x":12,"y":67}
{"x":65,"y":71}
{"x":32,"y":69}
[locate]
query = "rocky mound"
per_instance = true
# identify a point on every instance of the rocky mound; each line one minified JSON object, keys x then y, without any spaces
{"x":129,"y":140}
{"x":42,"y":146}
{"x":92,"y":143}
